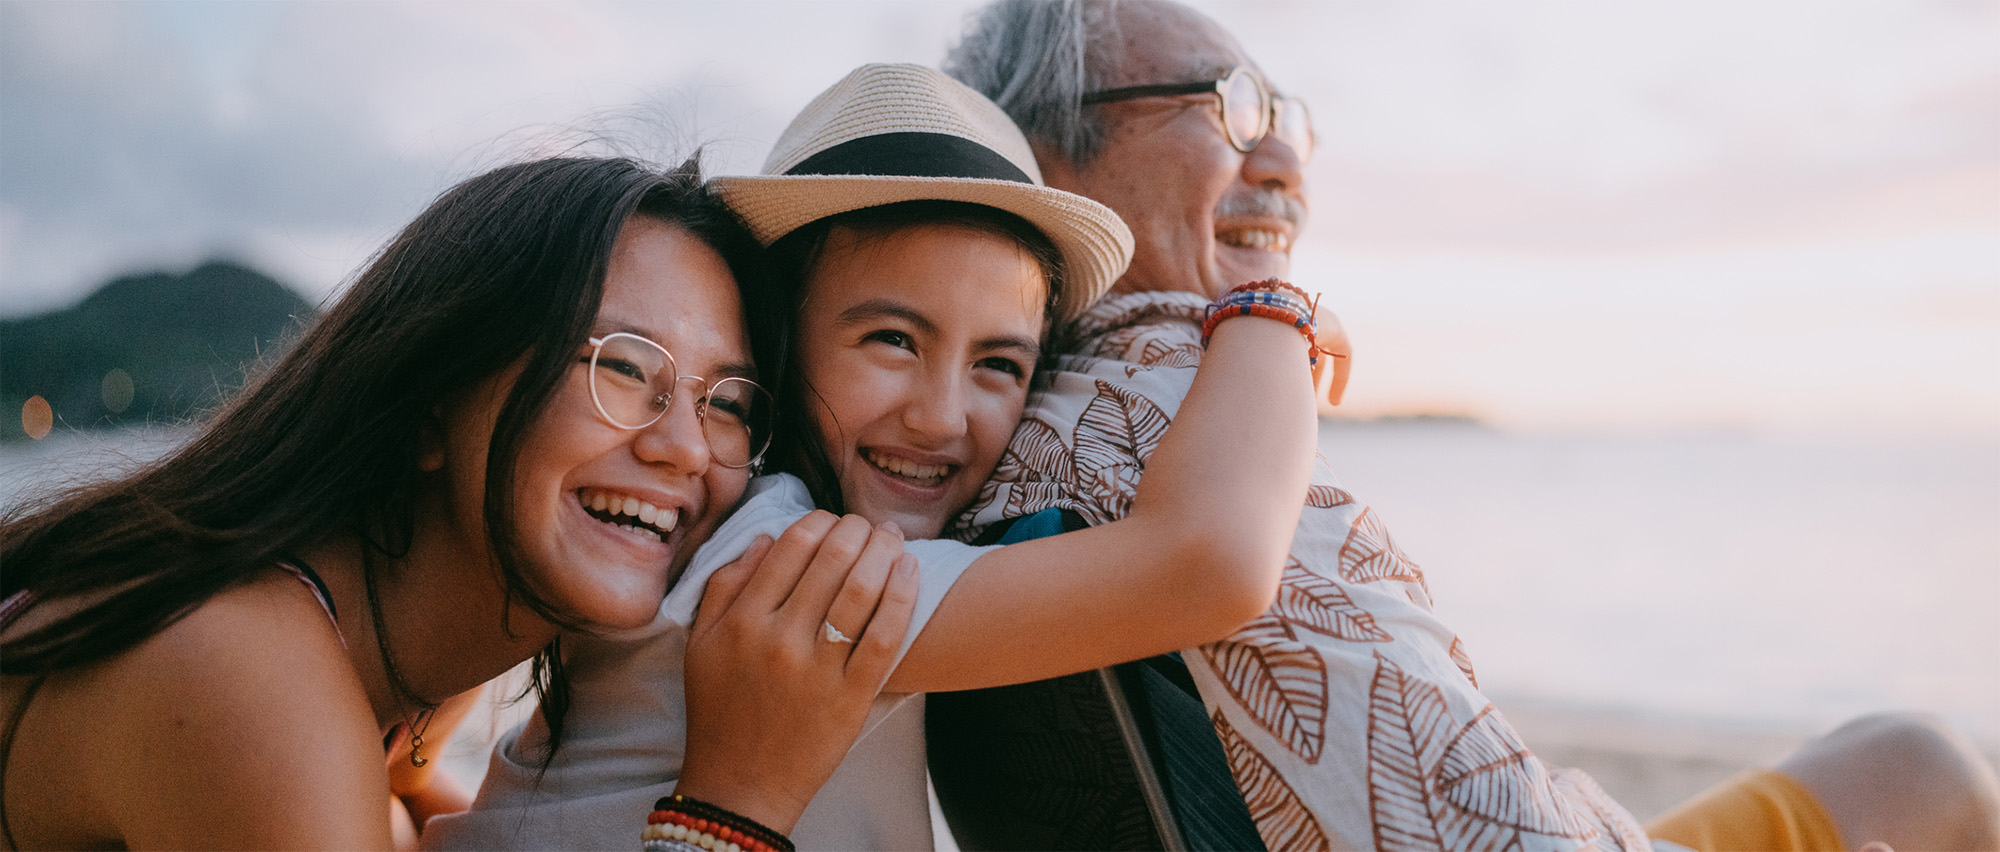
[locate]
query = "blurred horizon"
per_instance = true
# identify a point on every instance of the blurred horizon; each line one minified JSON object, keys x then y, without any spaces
{"x":1768,"y":218}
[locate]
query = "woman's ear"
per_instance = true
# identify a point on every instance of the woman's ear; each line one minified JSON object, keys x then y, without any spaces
{"x":430,"y":444}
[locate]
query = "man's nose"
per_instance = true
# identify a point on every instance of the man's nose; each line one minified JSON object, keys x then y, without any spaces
{"x":1276,"y":165}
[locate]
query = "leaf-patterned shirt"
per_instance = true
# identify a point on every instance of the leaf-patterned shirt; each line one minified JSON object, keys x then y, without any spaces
{"x":1350,"y":714}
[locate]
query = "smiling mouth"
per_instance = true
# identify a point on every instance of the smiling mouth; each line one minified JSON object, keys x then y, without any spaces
{"x":1259,"y":239}
{"x":922,"y":475}
{"x":631,"y":513}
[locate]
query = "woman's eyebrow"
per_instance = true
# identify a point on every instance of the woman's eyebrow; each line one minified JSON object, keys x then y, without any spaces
{"x":604,"y":327}
{"x":733,"y":370}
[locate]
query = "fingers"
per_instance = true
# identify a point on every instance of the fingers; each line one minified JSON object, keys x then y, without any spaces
{"x":771,"y":706}
{"x":855,"y":598}
{"x":821,"y":569}
{"x":729,"y":581}
{"x":844,"y":545}
{"x":786,"y":560}
{"x":1336,"y":355}
{"x":875,"y":651}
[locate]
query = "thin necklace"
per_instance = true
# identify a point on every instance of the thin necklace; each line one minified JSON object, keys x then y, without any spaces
{"x":417,"y":739}
{"x":395,"y":676}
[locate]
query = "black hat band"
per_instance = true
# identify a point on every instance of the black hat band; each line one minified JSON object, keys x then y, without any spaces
{"x":912,"y":154}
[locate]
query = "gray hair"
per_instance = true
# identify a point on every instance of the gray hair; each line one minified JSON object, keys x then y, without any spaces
{"x":1036,"y":59}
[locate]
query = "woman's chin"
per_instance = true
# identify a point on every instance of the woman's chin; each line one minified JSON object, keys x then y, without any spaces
{"x":612,"y":576}
{"x":618,"y":598}
{"x":629,"y":618}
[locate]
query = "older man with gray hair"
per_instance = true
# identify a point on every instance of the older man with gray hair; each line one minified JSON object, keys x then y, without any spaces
{"x":1348,"y":716}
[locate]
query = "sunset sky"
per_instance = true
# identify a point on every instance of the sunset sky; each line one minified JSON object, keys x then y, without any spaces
{"x":1765,"y":216}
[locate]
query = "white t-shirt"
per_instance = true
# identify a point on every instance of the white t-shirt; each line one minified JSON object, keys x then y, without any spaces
{"x":625,"y":734}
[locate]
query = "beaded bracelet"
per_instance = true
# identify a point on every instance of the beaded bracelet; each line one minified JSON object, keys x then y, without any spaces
{"x":679,"y":823}
{"x":1268,"y":285}
{"x":1264,"y":299}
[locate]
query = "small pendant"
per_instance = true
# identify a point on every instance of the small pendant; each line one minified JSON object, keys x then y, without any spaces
{"x":417,"y":760}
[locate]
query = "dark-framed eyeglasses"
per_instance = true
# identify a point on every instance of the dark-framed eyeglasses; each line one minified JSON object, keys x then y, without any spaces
{"x":632,"y":383}
{"x":1250,"y":111}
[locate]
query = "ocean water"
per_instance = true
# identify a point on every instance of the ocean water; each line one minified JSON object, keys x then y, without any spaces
{"x":1776,"y":583}
{"x":1770,"y":583}
{"x":29,"y":469}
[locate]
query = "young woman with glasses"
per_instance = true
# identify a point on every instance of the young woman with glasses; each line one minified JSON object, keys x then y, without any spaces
{"x":517,"y":424}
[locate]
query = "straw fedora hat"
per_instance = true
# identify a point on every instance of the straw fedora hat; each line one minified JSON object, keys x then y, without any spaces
{"x":899,"y":132}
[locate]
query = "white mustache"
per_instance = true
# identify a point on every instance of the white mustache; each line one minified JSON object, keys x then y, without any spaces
{"x":1263,"y":203}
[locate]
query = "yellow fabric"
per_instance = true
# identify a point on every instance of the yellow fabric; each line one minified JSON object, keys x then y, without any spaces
{"x":1761,"y":809}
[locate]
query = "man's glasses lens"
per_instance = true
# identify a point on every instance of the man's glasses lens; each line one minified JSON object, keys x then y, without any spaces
{"x":1294,"y":127}
{"x":633,"y":382}
{"x":1250,"y":112}
{"x":1244,"y":109}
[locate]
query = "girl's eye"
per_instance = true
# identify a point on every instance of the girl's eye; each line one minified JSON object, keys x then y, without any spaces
{"x":892,"y":338}
{"x":1005,"y":365}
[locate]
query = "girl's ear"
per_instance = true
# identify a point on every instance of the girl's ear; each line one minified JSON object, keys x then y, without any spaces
{"x":430,"y":444}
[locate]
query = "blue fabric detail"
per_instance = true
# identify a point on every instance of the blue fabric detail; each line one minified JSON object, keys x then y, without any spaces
{"x":1042,"y":524}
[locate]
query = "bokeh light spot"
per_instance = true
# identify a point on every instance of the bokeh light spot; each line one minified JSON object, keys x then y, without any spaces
{"x":116,"y":391}
{"x":37,"y":418}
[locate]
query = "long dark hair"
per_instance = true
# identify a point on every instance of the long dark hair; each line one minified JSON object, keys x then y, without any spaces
{"x":796,"y":446}
{"x":507,"y":266}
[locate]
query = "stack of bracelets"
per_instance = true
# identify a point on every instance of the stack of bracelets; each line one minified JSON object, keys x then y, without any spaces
{"x":681,"y":824}
{"x":1270,"y":299}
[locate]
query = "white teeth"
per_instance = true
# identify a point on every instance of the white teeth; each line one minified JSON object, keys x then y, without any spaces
{"x":907,"y":468}
{"x":607,"y":503}
{"x":1256,"y":238}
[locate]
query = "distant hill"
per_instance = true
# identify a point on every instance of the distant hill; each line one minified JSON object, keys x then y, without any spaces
{"x":148,"y":348}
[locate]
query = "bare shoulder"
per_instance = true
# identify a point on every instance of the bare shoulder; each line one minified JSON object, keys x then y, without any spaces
{"x":241,"y":725}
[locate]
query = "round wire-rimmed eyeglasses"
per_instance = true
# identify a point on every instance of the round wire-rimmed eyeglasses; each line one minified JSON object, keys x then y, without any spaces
{"x":632,"y":383}
{"x":1250,"y":110}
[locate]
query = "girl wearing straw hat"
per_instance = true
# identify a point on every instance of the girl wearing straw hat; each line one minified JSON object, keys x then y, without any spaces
{"x":925,"y":266}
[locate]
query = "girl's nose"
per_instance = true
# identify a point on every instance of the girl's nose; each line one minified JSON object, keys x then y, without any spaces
{"x":936,"y":409}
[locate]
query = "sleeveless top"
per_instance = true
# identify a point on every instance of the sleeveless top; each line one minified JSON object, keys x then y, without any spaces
{"x":304,"y":573}
{"x":20,"y":602}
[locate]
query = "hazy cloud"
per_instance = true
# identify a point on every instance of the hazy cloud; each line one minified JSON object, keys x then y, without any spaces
{"x":1584,"y":175}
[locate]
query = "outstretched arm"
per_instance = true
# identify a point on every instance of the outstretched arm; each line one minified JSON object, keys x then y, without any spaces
{"x":1199,"y":554}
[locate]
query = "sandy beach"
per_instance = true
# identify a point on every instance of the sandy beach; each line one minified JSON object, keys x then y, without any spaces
{"x":1650,"y":764}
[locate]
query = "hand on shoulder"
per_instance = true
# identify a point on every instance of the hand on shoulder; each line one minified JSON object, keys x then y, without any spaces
{"x":801,"y":631}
